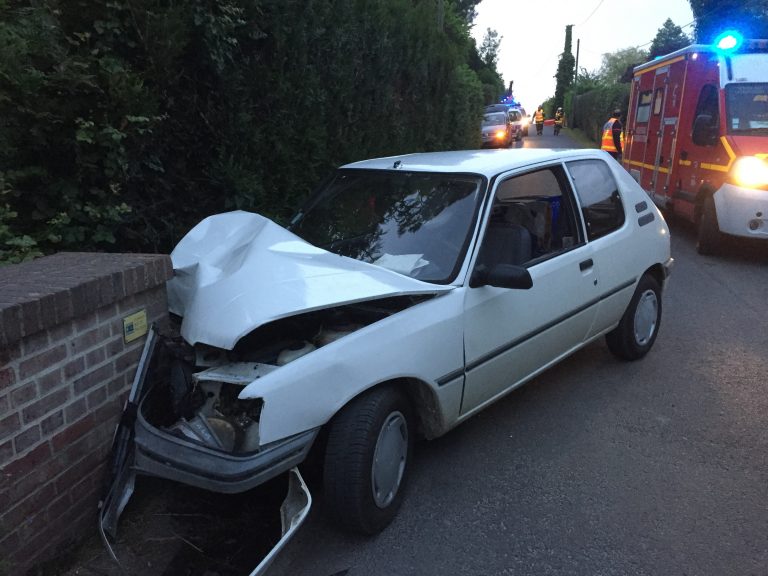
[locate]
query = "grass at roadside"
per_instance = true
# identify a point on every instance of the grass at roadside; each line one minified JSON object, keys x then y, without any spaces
{"x":580,"y":137}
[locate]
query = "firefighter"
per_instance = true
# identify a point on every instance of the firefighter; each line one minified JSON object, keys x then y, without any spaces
{"x":558,"y":120}
{"x":613,"y":136}
{"x":538,"y":119}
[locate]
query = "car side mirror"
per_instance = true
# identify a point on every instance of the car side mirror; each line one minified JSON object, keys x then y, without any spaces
{"x":705,"y":132}
{"x":503,"y":276}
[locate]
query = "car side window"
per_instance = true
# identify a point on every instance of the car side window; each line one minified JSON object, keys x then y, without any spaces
{"x":598,"y":195}
{"x":532,"y":218}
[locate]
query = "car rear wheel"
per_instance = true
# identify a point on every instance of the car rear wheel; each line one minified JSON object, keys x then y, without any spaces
{"x":639,"y":326}
{"x":709,"y":237}
{"x":366,"y":462}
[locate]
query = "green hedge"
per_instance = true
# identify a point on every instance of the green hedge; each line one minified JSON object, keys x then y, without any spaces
{"x":124,"y":122}
{"x":591,"y":110}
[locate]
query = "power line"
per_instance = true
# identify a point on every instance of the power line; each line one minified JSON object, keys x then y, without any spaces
{"x":592,"y":13}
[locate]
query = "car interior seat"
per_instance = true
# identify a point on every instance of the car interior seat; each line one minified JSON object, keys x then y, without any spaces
{"x":505,"y":243}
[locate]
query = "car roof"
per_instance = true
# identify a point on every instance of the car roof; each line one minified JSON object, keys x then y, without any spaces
{"x":486,"y":162}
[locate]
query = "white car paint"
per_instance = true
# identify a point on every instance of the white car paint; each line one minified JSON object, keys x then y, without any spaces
{"x":237,"y":271}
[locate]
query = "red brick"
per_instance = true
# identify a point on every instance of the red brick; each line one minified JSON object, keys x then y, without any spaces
{"x":49,"y":381}
{"x":73,"y":368}
{"x":95,"y":357}
{"x":32,"y":504}
{"x":9,"y":425}
{"x":85,"y":323}
{"x":128,"y":361}
{"x":5,"y":404}
{"x":89,"y":339}
{"x":114,"y":347}
{"x":59,"y":506}
{"x":107,"y":313}
{"x":35,"y":343}
{"x":12,"y":472}
{"x":8,"y":545}
{"x":31,"y":318}
{"x":75,"y":410}
{"x":31,"y":526}
{"x":24,"y":394}
{"x":73,"y":432}
{"x":26,"y":439}
{"x":10,"y":322}
{"x":120,"y":385}
{"x":45,"y":405}
{"x":9,"y":354}
{"x":97,"y":398}
{"x":64,"y":312}
{"x":42,"y":361}
{"x":78,"y":470}
{"x":6,"y":453}
{"x":7,"y":377}
{"x":52,"y":423}
{"x":60,"y":332}
{"x":89,"y":380}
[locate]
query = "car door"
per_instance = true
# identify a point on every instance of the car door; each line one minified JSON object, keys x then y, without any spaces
{"x":511,"y":334}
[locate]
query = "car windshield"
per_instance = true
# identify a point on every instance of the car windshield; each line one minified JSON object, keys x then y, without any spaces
{"x":514,"y":115}
{"x":417,"y":224}
{"x":746,"y":106}
{"x":494,"y":119}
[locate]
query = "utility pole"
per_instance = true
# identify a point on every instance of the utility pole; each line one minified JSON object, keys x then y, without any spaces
{"x":575,"y":83}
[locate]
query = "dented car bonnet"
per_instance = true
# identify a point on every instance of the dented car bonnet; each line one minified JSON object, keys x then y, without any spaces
{"x":237,"y":271}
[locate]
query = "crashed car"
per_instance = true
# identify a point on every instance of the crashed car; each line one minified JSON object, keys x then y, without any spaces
{"x":407,"y":295}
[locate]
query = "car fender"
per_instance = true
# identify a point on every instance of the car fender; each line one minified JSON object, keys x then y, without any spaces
{"x":423,"y":342}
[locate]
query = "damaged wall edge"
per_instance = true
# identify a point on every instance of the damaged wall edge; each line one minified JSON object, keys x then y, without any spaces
{"x":68,"y":352}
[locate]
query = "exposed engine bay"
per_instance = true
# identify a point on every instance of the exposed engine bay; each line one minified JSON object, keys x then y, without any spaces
{"x":195,"y":392}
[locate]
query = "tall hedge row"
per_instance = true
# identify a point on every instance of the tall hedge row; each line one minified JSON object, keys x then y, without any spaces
{"x":124,"y":122}
{"x":591,"y":110}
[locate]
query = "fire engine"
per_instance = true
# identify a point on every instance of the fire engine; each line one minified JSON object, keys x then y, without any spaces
{"x":697,"y":137}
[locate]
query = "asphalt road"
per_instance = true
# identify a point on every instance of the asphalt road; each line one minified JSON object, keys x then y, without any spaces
{"x":598,"y":467}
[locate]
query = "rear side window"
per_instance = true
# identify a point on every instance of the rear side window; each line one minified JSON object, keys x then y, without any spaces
{"x":598,"y":195}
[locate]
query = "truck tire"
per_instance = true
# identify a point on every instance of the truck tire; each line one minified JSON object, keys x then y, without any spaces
{"x":366,"y":461}
{"x":634,"y":336}
{"x":709,"y":236}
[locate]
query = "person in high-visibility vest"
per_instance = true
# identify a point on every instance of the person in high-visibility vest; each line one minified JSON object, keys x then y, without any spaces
{"x":612,"y":140}
{"x":559,"y":117}
{"x":538,"y":119}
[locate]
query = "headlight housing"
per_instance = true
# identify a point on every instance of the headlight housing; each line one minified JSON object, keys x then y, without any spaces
{"x":750,"y":172}
{"x":501,"y":134}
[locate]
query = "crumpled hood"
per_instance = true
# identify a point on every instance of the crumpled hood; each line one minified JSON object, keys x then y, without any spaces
{"x":237,"y":271}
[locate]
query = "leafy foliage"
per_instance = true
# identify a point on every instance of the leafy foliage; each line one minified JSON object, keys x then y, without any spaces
{"x":127,"y":121}
{"x":669,"y":38}
{"x":565,"y":68}
{"x":616,"y":64}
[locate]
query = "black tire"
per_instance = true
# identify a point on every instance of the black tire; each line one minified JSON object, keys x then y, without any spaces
{"x":360,"y":495}
{"x":634,"y":336}
{"x":709,"y":237}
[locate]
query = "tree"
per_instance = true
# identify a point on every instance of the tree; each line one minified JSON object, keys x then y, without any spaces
{"x":616,"y":64}
{"x":565,"y":69}
{"x":750,"y":17}
{"x":670,"y":37}
{"x":489,"y":49}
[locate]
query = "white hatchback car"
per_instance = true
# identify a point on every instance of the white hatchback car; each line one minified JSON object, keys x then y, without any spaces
{"x":408,"y":294}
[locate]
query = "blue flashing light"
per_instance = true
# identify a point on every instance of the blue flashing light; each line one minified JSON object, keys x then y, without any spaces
{"x":729,"y":41}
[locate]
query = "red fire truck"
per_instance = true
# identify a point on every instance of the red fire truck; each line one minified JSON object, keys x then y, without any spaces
{"x":697,"y":137}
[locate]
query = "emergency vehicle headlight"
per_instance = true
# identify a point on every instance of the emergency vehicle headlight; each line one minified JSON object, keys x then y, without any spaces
{"x":525,"y":121}
{"x":500,"y":133}
{"x":750,"y":172}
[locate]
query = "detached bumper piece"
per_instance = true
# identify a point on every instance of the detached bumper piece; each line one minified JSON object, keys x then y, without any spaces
{"x":139,"y":447}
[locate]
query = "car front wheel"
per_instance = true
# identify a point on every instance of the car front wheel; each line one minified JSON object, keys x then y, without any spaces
{"x":366,"y":460}
{"x":639,"y":326}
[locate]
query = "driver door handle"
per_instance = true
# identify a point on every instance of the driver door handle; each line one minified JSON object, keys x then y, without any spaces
{"x":586,"y":265}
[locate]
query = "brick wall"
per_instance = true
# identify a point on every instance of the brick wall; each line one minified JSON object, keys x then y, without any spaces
{"x":65,"y":369}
